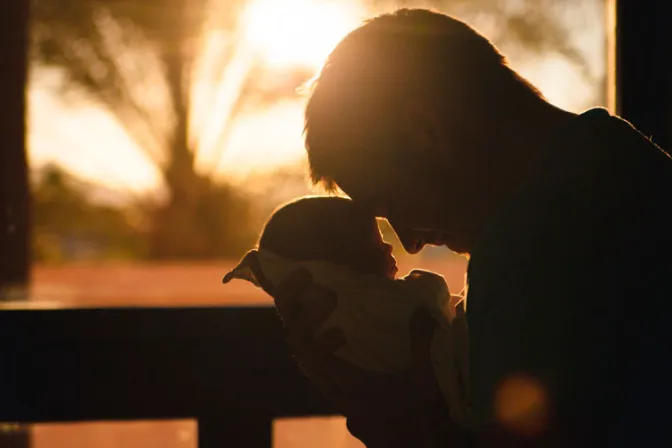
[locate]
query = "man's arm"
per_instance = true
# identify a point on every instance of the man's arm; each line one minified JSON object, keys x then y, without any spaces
{"x":390,"y":411}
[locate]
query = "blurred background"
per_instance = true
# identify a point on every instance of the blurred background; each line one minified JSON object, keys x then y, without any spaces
{"x":163,"y":132}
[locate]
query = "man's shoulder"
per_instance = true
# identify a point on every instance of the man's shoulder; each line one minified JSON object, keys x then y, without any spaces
{"x":600,"y":173}
{"x":604,"y":153}
{"x":598,"y":206}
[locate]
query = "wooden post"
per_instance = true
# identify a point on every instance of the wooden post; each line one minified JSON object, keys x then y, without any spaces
{"x":14,"y":193}
{"x":14,"y":190}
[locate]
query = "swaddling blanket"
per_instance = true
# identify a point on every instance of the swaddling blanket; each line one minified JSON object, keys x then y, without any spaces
{"x":374,"y":314}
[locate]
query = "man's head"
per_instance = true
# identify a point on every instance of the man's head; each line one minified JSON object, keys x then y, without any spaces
{"x":408,"y":117}
{"x":329,"y":229}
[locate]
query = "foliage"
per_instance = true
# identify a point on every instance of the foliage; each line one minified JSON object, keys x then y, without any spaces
{"x":171,"y":73}
{"x":69,"y":225}
{"x":221,"y":221}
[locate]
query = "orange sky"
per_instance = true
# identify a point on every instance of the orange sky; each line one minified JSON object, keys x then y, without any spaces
{"x":87,"y":140}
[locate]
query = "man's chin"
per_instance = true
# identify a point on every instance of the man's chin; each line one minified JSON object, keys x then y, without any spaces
{"x":393,"y":272}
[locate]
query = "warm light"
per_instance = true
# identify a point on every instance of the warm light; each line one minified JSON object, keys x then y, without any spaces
{"x":298,"y":32}
{"x":521,"y":406}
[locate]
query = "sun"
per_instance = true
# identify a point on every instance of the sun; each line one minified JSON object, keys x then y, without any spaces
{"x":286,"y":33}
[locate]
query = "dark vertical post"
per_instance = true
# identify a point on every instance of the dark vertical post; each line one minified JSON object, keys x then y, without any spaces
{"x":243,"y":430}
{"x":643,"y":74}
{"x":14,"y":194}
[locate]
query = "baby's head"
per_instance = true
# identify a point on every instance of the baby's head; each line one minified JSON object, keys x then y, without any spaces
{"x":328,"y":229}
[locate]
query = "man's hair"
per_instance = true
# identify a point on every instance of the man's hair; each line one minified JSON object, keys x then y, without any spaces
{"x":352,"y":112}
{"x":316,"y":228}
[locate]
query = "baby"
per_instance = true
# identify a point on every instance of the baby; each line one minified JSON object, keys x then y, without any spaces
{"x":343,"y":250}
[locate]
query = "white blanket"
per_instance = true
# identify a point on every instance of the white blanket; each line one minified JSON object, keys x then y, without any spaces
{"x":374,"y":313}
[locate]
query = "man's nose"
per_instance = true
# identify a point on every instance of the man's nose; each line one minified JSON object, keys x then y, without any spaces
{"x":409,"y":239}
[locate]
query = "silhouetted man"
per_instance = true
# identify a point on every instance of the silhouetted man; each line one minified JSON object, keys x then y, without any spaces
{"x":565,"y":217}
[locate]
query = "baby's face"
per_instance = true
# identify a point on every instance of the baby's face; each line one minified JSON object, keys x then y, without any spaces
{"x":375,"y":256}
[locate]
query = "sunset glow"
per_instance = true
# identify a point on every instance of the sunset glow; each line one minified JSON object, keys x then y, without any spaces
{"x":278,"y":36}
{"x":298,"y":32}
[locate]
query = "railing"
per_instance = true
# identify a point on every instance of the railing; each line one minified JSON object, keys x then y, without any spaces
{"x":226,"y":367}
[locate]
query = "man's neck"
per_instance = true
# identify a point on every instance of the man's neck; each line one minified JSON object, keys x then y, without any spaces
{"x":525,"y":131}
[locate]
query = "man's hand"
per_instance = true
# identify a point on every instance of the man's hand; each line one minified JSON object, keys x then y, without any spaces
{"x":382,"y":411}
{"x":304,"y":306}
{"x":406,"y":410}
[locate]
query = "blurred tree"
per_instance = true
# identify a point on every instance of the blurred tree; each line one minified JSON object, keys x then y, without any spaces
{"x":173,"y":74}
{"x":223,"y":221}
{"x":68,"y":225}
